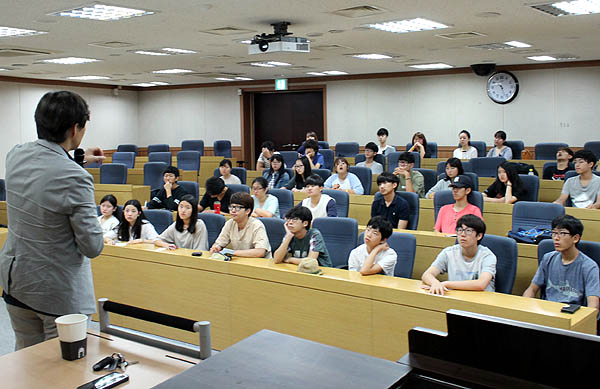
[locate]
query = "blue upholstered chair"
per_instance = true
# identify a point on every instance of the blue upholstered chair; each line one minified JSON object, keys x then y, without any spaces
{"x":480,"y":146}
{"x":161,"y":156}
{"x":285,"y":198}
{"x":474,"y":178}
{"x":364,"y":175}
{"x":153,"y":174}
{"x":323,"y":144}
{"x":532,"y":184}
{"x":506,"y":253}
{"x":548,"y":150}
{"x":128,"y":148}
{"x":222,"y":148}
{"x":289,"y":158}
{"x":346,"y":149}
{"x":342,"y":201}
{"x":234,"y":188}
{"x":516,"y":146}
{"x":275,"y":231}
{"x":339,"y":234}
{"x":157,"y":148}
{"x":328,"y":158}
{"x":193,"y":145}
{"x":214,"y":224}
{"x":190,"y":187}
{"x":444,"y":197}
{"x":93,"y":164}
{"x":127,"y":158}
{"x":159,"y":218}
{"x":486,"y":167}
{"x":530,"y":214}
{"x":324,"y":173}
{"x":413,"y":202}
{"x":429,"y":176}
{"x":188,"y":160}
{"x":405,"y":246}
{"x":2,"y":189}
{"x":593,"y":146}
{"x":113,"y":173}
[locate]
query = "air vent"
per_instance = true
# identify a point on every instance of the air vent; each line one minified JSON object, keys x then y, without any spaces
{"x":565,"y":57}
{"x":10,"y":53}
{"x":549,"y":9}
{"x":332,"y":47}
{"x":111,"y":44}
{"x":492,"y":46}
{"x":461,"y":35}
{"x":527,"y":51}
{"x":41,"y":72}
{"x":228,"y":30}
{"x":212,"y":74}
{"x":360,"y":11}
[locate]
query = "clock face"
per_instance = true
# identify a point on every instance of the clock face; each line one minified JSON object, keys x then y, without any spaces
{"x":502,"y":87}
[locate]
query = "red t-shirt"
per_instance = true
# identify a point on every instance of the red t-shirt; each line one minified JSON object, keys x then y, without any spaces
{"x":447,"y":217}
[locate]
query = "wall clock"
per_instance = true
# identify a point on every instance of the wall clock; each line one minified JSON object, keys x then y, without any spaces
{"x":502,"y":87}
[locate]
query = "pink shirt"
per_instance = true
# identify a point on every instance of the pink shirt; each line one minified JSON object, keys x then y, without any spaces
{"x":447,"y":217}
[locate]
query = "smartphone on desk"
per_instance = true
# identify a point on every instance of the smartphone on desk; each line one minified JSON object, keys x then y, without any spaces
{"x":570,"y":308}
{"x":108,"y":381}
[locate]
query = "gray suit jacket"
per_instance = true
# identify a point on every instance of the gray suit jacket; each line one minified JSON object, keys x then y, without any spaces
{"x":52,"y":229}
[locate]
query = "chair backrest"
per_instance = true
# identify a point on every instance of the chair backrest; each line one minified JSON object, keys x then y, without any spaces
{"x":441,"y":168}
{"x":339,"y":234}
{"x":378,"y":158}
{"x":474,"y":178}
{"x":392,"y":161}
{"x":113,"y":173}
{"x":429,"y":176}
{"x":324,"y":173}
{"x":190,"y":187}
{"x":158,"y":148}
{"x":222,"y":148}
{"x":547,"y":165}
{"x":290,"y":173}
{"x":285,"y":198}
{"x":569,"y":174}
{"x":529,"y":214}
{"x":128,"y":148}
{"x":516,"y":146}
{"x":444,"y":197}
{"x":275,"y":231}
{"x":506,"y":253}
{"x":342,"y":201}
{"x":161,"y":156}
{"x":289,"y":158}
{"x":548,"y":150}
{"x":486,"y":167}
{"x":323,"y":144}
{"x":532,"y":184}
{"x":153,"y":174}
{"x":364,"y":175}
{"x":239,"y":172}
{"x":405,"y":246}
{"x":417,"y":157}
{"x":188,"y":160}
{"x":127,"y":158}
{"x":467,"y":166}
{"x":96,"y":164}
{"x":593,"y":146}
{"x":346,"y":149}
{"x":214,"y":224}
{"x":413,"y":203}
{"x":2,"y":189}
{"x":234,"y":188}
{"x":159,"y":218}
{"x":193,"y":145}
{"x":480,"y":146}
{"x":589,"y":248}
{"x":328,"y":158}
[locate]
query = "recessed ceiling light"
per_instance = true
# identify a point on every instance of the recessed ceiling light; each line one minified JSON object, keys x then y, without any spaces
{"x":102,"y":12}
{"x":573,"y":7}
{"x":159,"y":83}
{"x":517,"y":44}
{"x":223,"y":79}
{"x":172,"y":71}
{"x":409,"y":25}
{"x":144,"y":84}
{"x":12,"y":32}
{"x":334,"y":72}
{"x":148,"y":52}
{"x":87,"y":78}
{"x":431,"y":66}
{"x":371,"y":56}
{"x":70,"y":60}
{"x":246,"y":42}
{"x":316,"y":74}
{"x":270,"y":64}
{"x":542,"y":58}
{"x":275,"y":63}
{"x":178,"y":51}
{"x":244,"y":78}
{"x":3,"y":70}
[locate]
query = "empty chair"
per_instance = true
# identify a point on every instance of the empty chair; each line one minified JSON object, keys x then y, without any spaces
{"x":413,"y":203}
{"x":2,"y":189}
{"x":532,"y":184}
{"x":323,"y":144}
{"x":159,"y":218}
{"x":506,"y":253}
{"x":190,"y":187}
{"x":346,"y":149}
{"x":324,"y":173}
{"x":480,"y":146}
{"x":214,"y":224}
{"x":529,"y":214}
{"x":286,"y":200}
{"x":161,"y":156}
{"x":444,"y":197}
{"x":234,"y":188}
{"x":275,"y":230}
{"x":405,"y":246}
{"x":342,"y":201}
{"x":429,"y":176}
{"x":222,"y":148}
{"x":113,"y":173}
{"x":516,"y":146}
{"x":379,"y":158}
{"x":486,"y":167}
{"x":157,"y":148}
{"x":127,"y":158}
{"x":128,"y":148}
{"x":474,"y":178}
{"x":328,"y":157}
{"x":364,"y":175}
{"x":339,"y":234}
{"x":153,"y":174}
{"x":593,"y":146}
{"x":188,"y":160}
{"x":193,"y":145}
{"x":289,"y":158}
{"x":548,"y":150}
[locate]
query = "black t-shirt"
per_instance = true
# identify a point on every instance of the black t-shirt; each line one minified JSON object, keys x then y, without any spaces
{"x":209,"y":202}
{"x":398,"y":209}
{"x":553,"y":173}
{"x":498,"y":190}
{"x":160,"y":200}
{"x":296,"y":182}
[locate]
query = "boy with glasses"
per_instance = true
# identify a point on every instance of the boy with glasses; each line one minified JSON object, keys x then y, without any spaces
{"x":567,"y":275}
{"x":300,"y":240}
{"x":410,"y":180}
{"x":246,"y":234}
{"x":469,"y":265}
{"x":170,"y":194}
{"x":583,"y":189}
{"x":374,"y":256}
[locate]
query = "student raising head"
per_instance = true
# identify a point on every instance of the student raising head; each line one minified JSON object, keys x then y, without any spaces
{"x":188,"y":231}
{"x":134,"y":228}
{"x":508,"y":187}
{"x":109,"y":210}
{"x":302,"y":171}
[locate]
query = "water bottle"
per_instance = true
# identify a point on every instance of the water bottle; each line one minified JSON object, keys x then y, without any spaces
{"x":531,"y":172}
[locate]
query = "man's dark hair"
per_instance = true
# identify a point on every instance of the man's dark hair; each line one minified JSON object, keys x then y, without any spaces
{"x":311,"y":144}
{"x":387,"y":177}
{"x":407,"y":157}
{"x":570,"y":223}
{"x":383,"y":131}
{"x":225,"y":162}
{"x":57,"y":112}
{"x":193,"y":217}
{"x":474,"y":222}
{"x":302,"y":213}
{"x":243,"y":199}
{"x":372,"y":146}
{"x":268,"y":145}
{"x":381,"y":224}
{"x":586,"y":155}
{"x":171,"y":169}
{"x":315,"y":179}
{"x":214,"y":186}
{"x":567,"y":150}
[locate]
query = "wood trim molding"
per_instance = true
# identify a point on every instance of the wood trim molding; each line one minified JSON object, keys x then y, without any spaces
{"x":38,"y":81}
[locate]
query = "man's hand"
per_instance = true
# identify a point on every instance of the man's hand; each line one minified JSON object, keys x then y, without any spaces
{"x":335,"y":186}
{"x":94,"y":154}
{"x":381,"y":247}
{"x":168,"y":186}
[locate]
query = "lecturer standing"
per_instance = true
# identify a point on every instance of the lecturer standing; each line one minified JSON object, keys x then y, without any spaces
{"x":45,"y":269}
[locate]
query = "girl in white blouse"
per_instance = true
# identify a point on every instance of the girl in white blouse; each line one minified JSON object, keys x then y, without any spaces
{"x":464,"y":150}
{"x":109,"y":213}
{"x":187,"y":232}
{"x":134,"y":228}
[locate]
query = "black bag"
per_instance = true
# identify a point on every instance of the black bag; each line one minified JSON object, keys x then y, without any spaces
{"x":524,"y":168}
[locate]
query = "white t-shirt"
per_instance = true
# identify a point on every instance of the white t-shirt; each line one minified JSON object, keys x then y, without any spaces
{"x":462,"y":154}
{"x":451,"y":261}
{"x":386,"y":259}
{"x":148,"y":232}
{"x":231,"y":180}
{"x":109,"y":224}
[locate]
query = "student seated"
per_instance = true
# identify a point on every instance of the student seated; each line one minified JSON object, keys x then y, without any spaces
{"x":188,"y":231}
{"x":419,"y":145}
{"x":410,"y":180}
{"x":302,"y":171}
{"x":265,"y":204}
{"x":564,"y":163}
{"x":276,"y":175}
{"x":226,"y":176}
{"x":216,"y":193}
{"x":315,"y":158}
{"x":264,"y":159}
{"x":507,"y":188}
{"x":109,"y":210}
{"x":246,"y":234}
{"x":300,"y":240}
{"x":370,"y":152}
{"x":567,"y":275}
{"x":390,"y":205}
{"x":384,"y":148}
{"x":374,"y":256}
{"x":170,"y":194}
{"x":469,"y":265}
{"x":133,"y":228}
{"x":454,"y":168}
{"x":500,"y":148}
{"x":583,"y":189}
{"x":342,"y":179}
{"x":319,"y":204}
{"x":461,"y":187}
{"x":464,"y":150}
{"x":311,"y":135}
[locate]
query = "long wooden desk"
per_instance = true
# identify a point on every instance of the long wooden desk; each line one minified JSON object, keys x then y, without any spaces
{"x":370,"y":315}
{"x":122,"y":192}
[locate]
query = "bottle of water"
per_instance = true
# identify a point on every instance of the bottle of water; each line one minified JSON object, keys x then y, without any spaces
{"x":531,"y":172}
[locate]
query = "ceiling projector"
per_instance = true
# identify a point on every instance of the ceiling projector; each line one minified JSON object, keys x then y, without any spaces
{"x":278,"y":41}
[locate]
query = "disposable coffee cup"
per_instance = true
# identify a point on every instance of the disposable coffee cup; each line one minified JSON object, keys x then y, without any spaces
{"x":72,"y":333}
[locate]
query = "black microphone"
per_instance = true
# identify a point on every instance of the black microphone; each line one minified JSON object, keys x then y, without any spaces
{"x":79,"y":156}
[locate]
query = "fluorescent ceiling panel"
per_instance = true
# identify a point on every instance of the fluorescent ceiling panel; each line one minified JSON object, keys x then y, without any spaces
{"x":409,"y":25}
{"x":70,"y":60}
{"x":102,"y":12}
{"x":16,"y":32}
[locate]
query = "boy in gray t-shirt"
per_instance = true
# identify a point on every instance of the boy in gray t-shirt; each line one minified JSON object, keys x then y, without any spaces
{"x":567,"y":275}
{"x":583,"y":189}
{"x":469,"y":265}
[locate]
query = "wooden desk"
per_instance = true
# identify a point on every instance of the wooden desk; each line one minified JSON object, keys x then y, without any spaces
{"x":122,"y":192}
{"x":41,"y":366}
{"x":370,"y":315}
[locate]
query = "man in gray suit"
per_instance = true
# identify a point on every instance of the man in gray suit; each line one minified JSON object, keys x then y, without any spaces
{"x":45,"y":269}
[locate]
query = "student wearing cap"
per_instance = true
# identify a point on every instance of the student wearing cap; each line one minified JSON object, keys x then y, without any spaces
{"x":390,"y":205}
{"x":170,"y":194}
{"x":461,"y":187}
{"x":374,"y":256}
{"x":370,"y":153}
